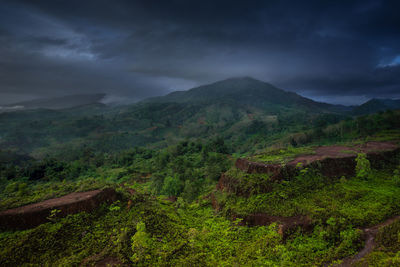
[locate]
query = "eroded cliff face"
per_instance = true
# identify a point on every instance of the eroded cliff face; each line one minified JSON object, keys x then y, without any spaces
{"x":330,"y":161}
{"x":32,"y":215}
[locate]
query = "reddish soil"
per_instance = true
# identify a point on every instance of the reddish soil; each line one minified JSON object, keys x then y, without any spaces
{"x":324,"y":152}
{"x":171,"y":198}
{"x":369,"y":236}
{"x":32,"y":215}
{"x":201,"y":121}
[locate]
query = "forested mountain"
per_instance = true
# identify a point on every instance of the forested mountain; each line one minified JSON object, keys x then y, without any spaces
{"x":242,"y":111}
{"x":246,"y":91}
{"x":246,"y":113}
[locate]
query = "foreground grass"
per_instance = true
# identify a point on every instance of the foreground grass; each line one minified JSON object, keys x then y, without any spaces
{"x":159,"y":233}
{"x":154,"y":232}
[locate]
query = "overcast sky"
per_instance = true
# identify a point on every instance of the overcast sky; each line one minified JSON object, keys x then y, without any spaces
{"x":333,"y":51}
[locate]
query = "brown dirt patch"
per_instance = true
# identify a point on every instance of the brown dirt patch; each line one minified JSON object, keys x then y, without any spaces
{"x":171,"y":199}
{"x":32,"y":215}
{"x":324,"y":152}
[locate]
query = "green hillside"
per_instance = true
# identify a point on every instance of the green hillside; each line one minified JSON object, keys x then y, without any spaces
{"x":183,"y":198}
{"x":242,"y":111}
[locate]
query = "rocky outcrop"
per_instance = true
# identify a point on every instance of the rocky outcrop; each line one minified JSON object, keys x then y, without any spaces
{"x":32,"y":215}
{"x":330,"y":161}
{"x":286,"y":224}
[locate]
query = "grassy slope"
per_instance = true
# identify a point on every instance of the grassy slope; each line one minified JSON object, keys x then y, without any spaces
{"x":156,"y":232}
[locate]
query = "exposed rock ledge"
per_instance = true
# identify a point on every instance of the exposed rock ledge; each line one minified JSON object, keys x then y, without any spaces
{"x":32,"y":215}
{"x":331,"y":161}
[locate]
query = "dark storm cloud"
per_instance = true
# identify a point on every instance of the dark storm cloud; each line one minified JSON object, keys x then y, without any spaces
{"x":328,"y":50}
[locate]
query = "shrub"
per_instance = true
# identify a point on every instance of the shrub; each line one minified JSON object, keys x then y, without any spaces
{"x":363,"y":167}
{"x":172,"y":186}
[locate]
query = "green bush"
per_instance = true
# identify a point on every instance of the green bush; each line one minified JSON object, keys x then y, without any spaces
{"x":363,"y":167}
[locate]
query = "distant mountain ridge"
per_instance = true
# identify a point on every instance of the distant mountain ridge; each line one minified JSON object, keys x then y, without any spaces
{"x":376,"y":105}
{"x":245,"y":91}
{"x":242,"y":91}
{"x":241,"y":111}
{"x":62,"y":102}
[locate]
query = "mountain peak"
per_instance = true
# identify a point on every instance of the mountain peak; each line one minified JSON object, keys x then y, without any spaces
{"x":241,"y":78}
{"x":243,"y":81}
{"x":243,"y":91}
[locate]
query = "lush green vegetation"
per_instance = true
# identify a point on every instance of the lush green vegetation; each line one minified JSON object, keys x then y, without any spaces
{"x":159,"y":232}
{"x":163,"y":233}
{"x":177,"y":149}
{"x":353,"y":201}
{"x":187,"y":169}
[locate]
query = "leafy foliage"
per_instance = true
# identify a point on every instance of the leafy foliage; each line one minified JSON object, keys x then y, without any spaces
{"x":363,"y":167}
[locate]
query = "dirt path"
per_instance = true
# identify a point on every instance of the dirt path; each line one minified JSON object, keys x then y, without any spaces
{"x":32,"y":215}
{"x":370,"y":234}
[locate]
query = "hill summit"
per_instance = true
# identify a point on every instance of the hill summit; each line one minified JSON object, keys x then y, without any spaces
{"x":244,"y":91}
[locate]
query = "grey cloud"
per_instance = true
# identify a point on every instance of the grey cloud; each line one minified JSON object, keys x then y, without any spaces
{"x":145,"y":48}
